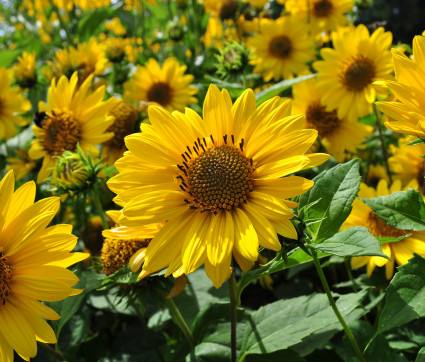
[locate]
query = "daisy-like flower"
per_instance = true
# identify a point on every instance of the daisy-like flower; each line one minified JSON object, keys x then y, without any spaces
{"x":323,"y":15}
{"x":33,"y":262}
{"x":407,"y":163}
{"x":125,"y":118}
{"x":348,"y":71}
{"x":362,"y":215}
{"x":216,"y":182}
{"x":167,"y":86}
{"x":24,"y":70}
{"x":407,"y":114}
{"x":337,"y":135}
{"x":223,"y":9}
{"x":71,"y":115}
{"x":12,"y":103}
{"x":282,"y":48}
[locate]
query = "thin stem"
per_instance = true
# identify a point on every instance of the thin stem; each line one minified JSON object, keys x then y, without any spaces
{"x":384,"y":150}
{"x":350,"y":275}
{"x":54,"y":353}
{"x":178,"y":318}
{"x":233,"y":292}
{"x":325,"y":285}
{"x":148,"y":332}
{"x":99,"y":206}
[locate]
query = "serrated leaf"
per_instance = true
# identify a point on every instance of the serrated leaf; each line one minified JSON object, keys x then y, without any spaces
{"x":405,"y":296}
{"x":337,"y":189}
{"x":275,"y":89}
{"x":390,"y":239}
{"x":284,"y":323}
{"x":122,"y":276}
{"x":404,"y":210}
{"x":295,"y":257}
{"x":355,"y":241}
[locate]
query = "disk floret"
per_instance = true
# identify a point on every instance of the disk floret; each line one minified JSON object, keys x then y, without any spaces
{"x":6,"y":273}
{"x":358,"y":74}
{"x":216,"y":178}
{"x":380,"y":228}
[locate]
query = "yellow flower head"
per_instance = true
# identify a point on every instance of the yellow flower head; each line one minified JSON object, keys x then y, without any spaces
{"x":407,"y":163}
{"x":217,"y":35}
{"x":12,"y":103}
{"x":24,"y":70}
{"x":33,"y":262}
{"x":223,"y":9}
{"x":166,"y":86}
{"x":362,"y":215}
{"x":323,"y":15}
{"x":22,"y":165}
{"x":281,"y":49}
{"x":71,"y":116}
{"x":407,"y":114}
{"x":114,"y":25}
{"x":348,"y":71}
{"x":337,"y":135}
{"x":217,"y":182}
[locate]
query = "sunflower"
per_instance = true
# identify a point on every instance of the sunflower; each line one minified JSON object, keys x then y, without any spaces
{"x":125,"y":118}
{"x":219,"y":33}
{"x":12,"y":103}
{"x":223,"y":9}
{"x":33,"y":262}
{"x":362,"y":215}
{"x":167,"y":86}
{"x":216,"y":182}
{"x":323,"y":15}
{"x":337,"y":135}
{"x":24,"y":70}
{"x":281,"y":48}
{"x":407,"y":114}
{"x":71,"y":116}
{"x":407,"y":162}
{"x":348,"y":71}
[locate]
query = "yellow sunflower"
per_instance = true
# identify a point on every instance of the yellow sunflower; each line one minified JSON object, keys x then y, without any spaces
{"x":348,"y":71}
{"x":33,"y":262}
{"x":362,"y":215}
{"x":337,"y":135}
{"x":125,"y":118}
{"x":167,"y":86}
{"x":219,"y":33}
{"x":217,"y":182}
{"x":72,"y":115}
{"x":223,"y":9}
{"x":24,"y":70}
{"x":12,"y":103}
{"x":282,"y":48}
{"x":407,"y":163}
{"x":407,"y":114}
{"x":323,"y":15}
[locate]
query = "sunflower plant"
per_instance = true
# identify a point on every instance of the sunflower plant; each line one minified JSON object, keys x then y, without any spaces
{"x":233,"y":180}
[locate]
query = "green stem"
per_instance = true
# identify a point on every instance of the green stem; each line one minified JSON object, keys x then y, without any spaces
{"x":350,"y":275}
{"x":381,"y":137}
{"x":233,"y":292}
{"x":54,"y":353}
{"x":178,"y":318}
{"x":99,"y":206}
{"x":325,"y":285}
{"x":148,"y":332}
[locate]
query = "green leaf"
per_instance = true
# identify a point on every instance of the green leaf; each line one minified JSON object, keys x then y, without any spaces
{"x":295,"y":257}
{"x":336,"y":189}
{"x":275,"y":89}
{"x":355,"y":241}
{"x":404,"y":210}
{"x":209,"y":352}
{"x":284,"y":323}
{"x":405,"y":296}
{"x":122,"y":276}
{"x":278,"y":356}
{"x":390,"y":239}
{"x":89,"y":23}
{"x":8,"y":56}
{"x":416,"y":142}
{"x":421,"y":355}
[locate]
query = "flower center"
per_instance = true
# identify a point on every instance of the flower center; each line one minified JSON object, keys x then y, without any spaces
{"x":322,"y":8}
{"x":280,"y":47}
{"x":358,"y":74}
{"x":216,"y":178}
{"x":125,"y":120}
{"x":61,"y":132}
{"x":380,"y":228}
{"x":5,"y":279}
{"x":117,"y":252}
{"x":321,"y":120}
{"x":160,"y":93}
{"x":228,"y":9}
